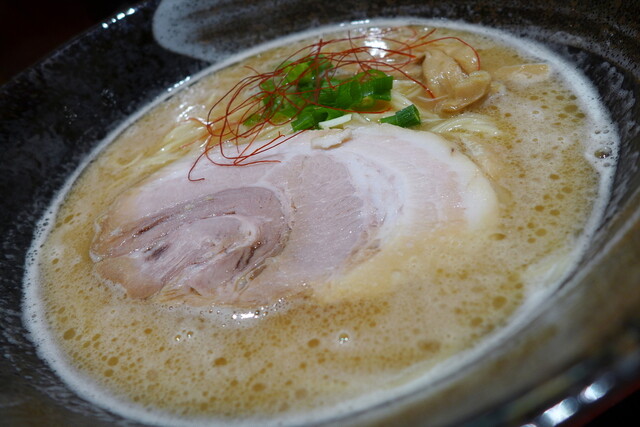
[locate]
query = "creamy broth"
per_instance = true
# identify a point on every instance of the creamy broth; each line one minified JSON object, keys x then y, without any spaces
{"x":356,"y":340}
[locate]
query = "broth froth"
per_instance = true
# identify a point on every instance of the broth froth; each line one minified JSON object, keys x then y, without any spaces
{"x":429,"y":299}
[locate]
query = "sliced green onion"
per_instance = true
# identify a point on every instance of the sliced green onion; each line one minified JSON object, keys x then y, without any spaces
{"x":312,"y":115}
{"x":295,"y":72}
{"x":328,"y":92}
{"x":328,"y":124}
{"x":306,"y":94}
{"x":376,"y":84}
{"x":407,"y":117}
{"x":305,"y":120}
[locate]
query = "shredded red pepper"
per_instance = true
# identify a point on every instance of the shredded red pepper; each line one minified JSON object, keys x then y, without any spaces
{"x":246,"y":99}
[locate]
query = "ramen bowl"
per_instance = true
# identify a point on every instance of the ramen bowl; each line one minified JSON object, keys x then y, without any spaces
{"x":578,"y":350}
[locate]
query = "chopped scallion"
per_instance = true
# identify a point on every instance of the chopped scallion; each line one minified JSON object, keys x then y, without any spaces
{"x":328,"y":124}
{"x":307,"y":94}
{"x":407,"y":117}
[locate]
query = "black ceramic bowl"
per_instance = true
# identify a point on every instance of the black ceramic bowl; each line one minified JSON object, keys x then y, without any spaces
{"x":582,"y":347}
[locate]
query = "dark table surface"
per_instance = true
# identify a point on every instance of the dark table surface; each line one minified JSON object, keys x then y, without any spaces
{"x":32,"y":29}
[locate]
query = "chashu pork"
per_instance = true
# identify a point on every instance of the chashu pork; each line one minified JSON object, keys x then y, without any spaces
{"x":248,"y":236}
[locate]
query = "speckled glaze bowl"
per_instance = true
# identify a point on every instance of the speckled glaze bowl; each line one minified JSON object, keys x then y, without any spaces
{"x":581,"y":349}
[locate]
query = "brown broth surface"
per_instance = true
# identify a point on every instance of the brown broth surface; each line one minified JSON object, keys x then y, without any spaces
{"x":391,"y":322}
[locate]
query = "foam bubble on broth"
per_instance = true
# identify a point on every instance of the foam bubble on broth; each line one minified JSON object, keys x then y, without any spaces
{"x":160,"y":364}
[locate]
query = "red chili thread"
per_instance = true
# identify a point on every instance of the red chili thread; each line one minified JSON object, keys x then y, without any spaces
{"x":247,"y":97}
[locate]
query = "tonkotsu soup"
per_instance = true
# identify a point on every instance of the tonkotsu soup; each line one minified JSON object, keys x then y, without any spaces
{"x":320,"y":226}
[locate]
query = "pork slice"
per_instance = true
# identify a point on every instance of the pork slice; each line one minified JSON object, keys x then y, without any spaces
{"x":331,"y":222}
{"x":434,"y":184}
{"x":248,"y":236}
{"x":226,"y":234}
